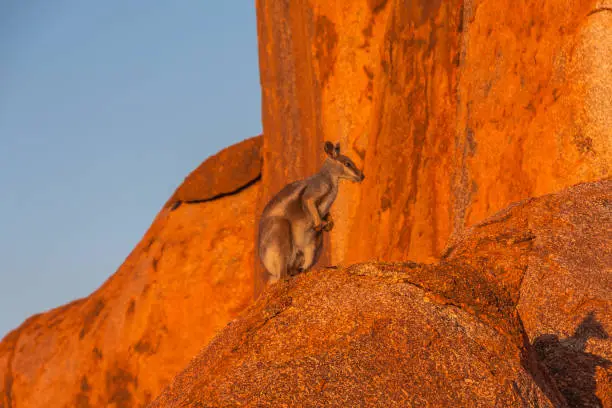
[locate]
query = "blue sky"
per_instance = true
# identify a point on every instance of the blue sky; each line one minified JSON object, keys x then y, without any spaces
{"x":105,"y":106}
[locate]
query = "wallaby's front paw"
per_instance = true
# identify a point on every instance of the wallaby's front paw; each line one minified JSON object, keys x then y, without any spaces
{"x":324,"y":226}
{"x":329,"y":225}
{"x":328,"y":222}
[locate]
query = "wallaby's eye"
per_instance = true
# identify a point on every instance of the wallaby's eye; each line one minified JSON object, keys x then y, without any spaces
{"x":347,"y":164}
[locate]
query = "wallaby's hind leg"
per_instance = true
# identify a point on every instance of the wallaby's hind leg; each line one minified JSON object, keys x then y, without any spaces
{"x":275,"y":247}
{"x":298,"y":264}
{"x":318,"y":249}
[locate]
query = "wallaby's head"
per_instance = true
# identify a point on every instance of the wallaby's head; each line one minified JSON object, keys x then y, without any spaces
{"x":342,"y":166}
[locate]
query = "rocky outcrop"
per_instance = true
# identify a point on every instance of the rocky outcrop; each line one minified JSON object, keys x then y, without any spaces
{"x":554,"y":254}
{"x":189,"y":276}
{"x":455,"y":109}
{"x":366,"y":336}
{"x":516,"y":313}
{"x":227,"y":172}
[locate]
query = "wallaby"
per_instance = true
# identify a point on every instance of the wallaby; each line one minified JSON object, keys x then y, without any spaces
{"x":290,"y":237}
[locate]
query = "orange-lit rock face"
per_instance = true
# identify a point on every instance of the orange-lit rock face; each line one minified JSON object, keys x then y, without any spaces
{"x":187,"y":278}
{"x":522,"y":298}
{"x":455,"y":109}
{"x":536,"y":83}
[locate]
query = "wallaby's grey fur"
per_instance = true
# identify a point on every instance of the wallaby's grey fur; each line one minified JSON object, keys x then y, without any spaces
{"x":291,"y":228}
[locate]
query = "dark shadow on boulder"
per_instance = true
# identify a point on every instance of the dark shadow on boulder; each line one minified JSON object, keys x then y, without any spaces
{"x":570,"y":366}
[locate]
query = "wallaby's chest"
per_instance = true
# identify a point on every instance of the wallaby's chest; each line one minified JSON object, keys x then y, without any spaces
{"x":326,"y":200}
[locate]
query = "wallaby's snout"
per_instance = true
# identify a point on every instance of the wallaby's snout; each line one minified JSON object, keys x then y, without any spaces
{"x":343,"y":164}
{"x":357,"y":176}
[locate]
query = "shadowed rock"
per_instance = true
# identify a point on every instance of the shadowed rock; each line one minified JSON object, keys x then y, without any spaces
{"x":552,"y":256}
{"x":572,"y":368}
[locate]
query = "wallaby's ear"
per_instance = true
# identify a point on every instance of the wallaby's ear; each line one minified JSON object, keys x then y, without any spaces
{"x":337,"y":149}
{"x":329,"y":149}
